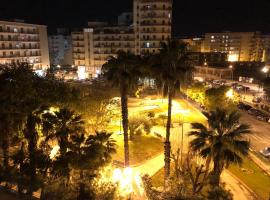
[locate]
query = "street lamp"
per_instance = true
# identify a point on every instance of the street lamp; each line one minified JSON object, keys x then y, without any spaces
{"x":231,"y":67}
{"x":265,"y":70}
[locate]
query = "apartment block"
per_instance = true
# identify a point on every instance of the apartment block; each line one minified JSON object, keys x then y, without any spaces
{"x":93,"y":46}
{"x":152,"y":24}
{"x":240,"y":46}
{"x":22,"y":42}
{"x":60,"y":49}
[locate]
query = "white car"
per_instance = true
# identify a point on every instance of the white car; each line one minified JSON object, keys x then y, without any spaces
{"x":266,"y":152}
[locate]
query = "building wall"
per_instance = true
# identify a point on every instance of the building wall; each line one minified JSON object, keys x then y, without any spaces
{"x":240,"y":46}
{"x":21,"y":42}
{"x":152,"y":24}
{"x":60,"y":50}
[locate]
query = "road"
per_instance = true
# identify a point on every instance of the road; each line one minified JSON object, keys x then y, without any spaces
{"x":260,"y":137}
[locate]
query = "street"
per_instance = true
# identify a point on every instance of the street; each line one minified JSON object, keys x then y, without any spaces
{"x":260,"y":136}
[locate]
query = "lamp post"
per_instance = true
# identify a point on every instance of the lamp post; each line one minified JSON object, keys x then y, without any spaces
{"x":265,"y":70}
{"x":231,"y":67}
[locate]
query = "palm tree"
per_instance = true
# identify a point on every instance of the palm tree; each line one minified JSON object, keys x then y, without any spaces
{"x":60,"y":125}
{"x":171,"y":68}
{"x":123,"y":72}
{"x":223,"y":142}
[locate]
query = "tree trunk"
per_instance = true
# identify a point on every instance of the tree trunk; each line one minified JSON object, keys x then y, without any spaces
{"x":5,"y":148}
{"x":215,"y":178}
{"x":167,"y":144}
{"x":124,"y":107}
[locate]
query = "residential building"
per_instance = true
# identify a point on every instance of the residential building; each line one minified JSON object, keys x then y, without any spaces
{"x":214,"y":59}
{"x":22,"y":42}
{"x":205,"y":72}
{"x":151,"y":25}
{"x":60,"y":48}
{"x":125,"y":19}
{"x":195,"y":44}
{"x":240,"y":46}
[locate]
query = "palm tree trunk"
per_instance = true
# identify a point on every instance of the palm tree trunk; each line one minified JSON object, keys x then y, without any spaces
{"x":167,"y":144}
{"x":124,"y":107}
{"x":5,"y":148}
{"x":215,"y":179}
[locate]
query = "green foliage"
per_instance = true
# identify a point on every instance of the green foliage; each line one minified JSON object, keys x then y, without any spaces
{"x":139,"y":125}
{"x":223,"y":142}
{"x":197,"y":92}
{"x":216,"y":98}
{"x":219,"y":193}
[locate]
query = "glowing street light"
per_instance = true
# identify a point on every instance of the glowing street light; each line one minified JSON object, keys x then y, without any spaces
{"x":265,"y":69}
{"x":229,"y":94}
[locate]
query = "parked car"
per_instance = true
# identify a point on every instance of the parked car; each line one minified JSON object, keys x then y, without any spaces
{"x":254,"y":112}
{"x":263,"y":117}
{"x":243,"y":106}
{"x":266,"y":152}
{"x":256,"y":99}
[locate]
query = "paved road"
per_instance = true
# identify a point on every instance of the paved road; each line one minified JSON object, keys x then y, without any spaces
{"x":260,"y":137}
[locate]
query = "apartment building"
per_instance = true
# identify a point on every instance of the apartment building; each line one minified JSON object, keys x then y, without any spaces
{"x":93,"y":46}
{"x":60,"y":49}
{"x":240,"y":46}
{"x":152,"y":24}
{"x":22,"y":42}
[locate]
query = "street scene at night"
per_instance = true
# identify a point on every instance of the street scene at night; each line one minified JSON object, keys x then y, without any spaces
{"x":134,"y":100}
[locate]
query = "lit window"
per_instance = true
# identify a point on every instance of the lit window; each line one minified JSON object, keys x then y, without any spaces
{"x":212,"y":37}
{"x":147,"y":44}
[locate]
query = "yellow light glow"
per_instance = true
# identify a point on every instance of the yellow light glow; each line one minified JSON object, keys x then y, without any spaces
{"x":54,"y":152}
{"x":229,"y":94}
{"x":233,"y":57}
{"x":265,"y":69}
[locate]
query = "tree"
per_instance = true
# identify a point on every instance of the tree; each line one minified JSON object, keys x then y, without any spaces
{"x":223,"y":142}
{"x":21,"y":93}
{"x":60,"y":125}
{"x":171,"y":67}
{"x":124,"y":72}
{"x":214,"y":97}
{"x":138,"y":125}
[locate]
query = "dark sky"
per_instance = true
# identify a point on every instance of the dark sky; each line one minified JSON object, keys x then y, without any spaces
{"x":191,"y":17}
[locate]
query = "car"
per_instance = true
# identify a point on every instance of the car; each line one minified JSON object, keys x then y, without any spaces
{"x":263,"y":117}
{"x":243,"y":106}
{"x":266,"y":152}
{"x":256,"y":100}
{"x":254,"y":112}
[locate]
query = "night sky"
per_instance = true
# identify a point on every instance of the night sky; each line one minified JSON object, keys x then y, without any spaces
{"x":191,"y":17}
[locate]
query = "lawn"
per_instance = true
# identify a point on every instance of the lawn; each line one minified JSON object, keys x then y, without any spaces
{"x":253,"y":177}
{"x":141,"y":149}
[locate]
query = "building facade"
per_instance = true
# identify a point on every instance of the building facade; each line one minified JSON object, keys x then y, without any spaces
{"x":240,"y":46}
{"x":151,"y":25}
{"x":22,"y":42}
{"x":60,"y":49}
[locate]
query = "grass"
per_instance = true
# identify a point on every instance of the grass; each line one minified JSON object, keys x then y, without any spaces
{"x":158,"y":178}
{"x":141,"y":149}
{"x":254,"y":178}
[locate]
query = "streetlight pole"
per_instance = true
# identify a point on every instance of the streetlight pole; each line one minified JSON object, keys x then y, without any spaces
{"x":182,"y":140}
{"x":231,"y":67}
